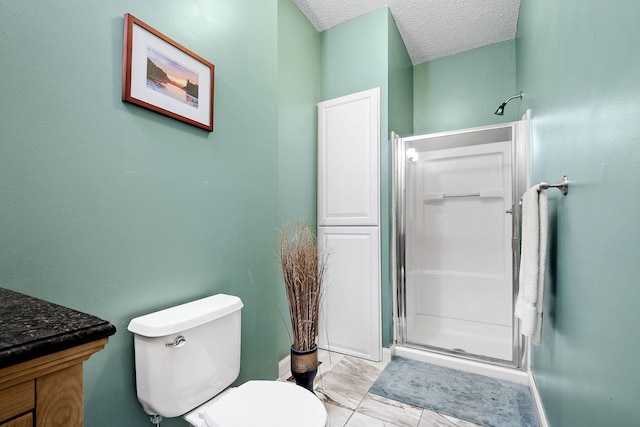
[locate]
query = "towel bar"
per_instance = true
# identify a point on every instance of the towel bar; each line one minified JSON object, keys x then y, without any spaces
{"x":563,"y":185}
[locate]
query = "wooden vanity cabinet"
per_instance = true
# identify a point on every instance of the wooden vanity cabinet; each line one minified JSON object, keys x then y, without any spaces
{"x":46,"y":391}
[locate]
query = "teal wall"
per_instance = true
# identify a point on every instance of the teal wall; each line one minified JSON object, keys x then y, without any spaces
{"x":117,"y":211}
{"x":298,"y":86}
{"x":299,"y":81}
{"x":578,"y":63}
{"x":400,"y":71}
{"x":464,"y":90}
{"x":356,"y":56}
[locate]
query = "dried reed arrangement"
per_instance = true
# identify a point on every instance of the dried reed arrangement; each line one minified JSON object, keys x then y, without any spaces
{"x":303,"y":269}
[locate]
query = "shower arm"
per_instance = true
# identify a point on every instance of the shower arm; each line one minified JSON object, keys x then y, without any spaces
{"x":513,"y":97}
{"x":500,"y":110}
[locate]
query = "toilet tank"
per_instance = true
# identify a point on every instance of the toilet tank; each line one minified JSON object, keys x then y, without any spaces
{"x":187,"y":354}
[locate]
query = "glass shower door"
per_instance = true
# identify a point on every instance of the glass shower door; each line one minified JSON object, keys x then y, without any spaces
{"x":458,"y":293}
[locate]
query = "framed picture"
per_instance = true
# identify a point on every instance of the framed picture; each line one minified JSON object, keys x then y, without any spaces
{"x":164,"y":76}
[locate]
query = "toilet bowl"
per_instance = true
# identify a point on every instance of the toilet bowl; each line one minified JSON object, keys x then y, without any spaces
{"x":261,"y":403}
{"x":187,"y":356}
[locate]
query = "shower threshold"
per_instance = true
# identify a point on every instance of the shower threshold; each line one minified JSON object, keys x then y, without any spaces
{"x":493,"y":368}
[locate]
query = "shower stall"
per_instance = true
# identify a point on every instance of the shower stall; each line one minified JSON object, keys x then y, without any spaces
{"x":456,"y":241}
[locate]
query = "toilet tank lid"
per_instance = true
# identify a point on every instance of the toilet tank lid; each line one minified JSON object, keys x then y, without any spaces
{"x":185,"y":316}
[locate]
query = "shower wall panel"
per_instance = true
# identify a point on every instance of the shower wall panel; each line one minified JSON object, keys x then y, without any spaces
{"x":458,"y":293}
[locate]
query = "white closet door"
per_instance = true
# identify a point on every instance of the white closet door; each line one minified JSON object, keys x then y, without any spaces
{"x":348,"y":147}
{"x":350,"y":314}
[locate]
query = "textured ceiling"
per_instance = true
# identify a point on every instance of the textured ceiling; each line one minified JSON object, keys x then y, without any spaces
{"x":430,"y":28}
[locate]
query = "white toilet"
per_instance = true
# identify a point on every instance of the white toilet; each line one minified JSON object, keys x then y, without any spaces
{"x":187,"y":356}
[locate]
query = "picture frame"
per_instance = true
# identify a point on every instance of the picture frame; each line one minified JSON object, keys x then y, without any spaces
{"x":162,"y":75}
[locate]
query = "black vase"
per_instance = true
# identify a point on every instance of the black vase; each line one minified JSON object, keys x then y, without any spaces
{"x":304,"y":367}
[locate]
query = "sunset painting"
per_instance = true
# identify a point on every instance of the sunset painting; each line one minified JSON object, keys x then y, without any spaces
{"x":166,"y":76}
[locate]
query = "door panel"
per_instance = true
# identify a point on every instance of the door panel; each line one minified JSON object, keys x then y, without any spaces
{"x":350,"y":315}
{"x":348,"y":146}
{"x":458,"y":250}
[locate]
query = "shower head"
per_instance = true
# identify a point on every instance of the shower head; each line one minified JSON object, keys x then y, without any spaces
{"x":500,"y":110}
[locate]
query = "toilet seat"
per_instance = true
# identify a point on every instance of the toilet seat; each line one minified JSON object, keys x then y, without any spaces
{"x":266,"y":404}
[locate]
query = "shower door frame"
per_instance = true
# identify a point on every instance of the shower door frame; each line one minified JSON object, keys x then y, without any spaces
{"x":520,"y":182}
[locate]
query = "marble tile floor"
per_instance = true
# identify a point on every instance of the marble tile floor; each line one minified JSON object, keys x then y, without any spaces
{"x":343,"y":384}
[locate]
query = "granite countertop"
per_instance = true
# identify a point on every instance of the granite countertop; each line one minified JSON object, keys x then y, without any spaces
{"x":31,"y":327}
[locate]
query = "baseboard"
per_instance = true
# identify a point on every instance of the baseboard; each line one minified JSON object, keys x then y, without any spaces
{"x":387,"y":353}
{"x":284,"y":366}
{"x":542,"y":417}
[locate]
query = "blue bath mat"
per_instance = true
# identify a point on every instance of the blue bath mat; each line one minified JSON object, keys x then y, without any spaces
{"x":470,"y":397}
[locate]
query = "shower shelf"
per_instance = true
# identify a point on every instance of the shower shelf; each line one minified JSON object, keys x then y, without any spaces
{"x":488,"y":194}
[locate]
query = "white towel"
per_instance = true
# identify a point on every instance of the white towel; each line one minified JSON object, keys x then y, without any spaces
{"x":533,"y":259}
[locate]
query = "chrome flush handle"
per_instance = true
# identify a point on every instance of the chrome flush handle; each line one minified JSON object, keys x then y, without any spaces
{"x":177,"y":343}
